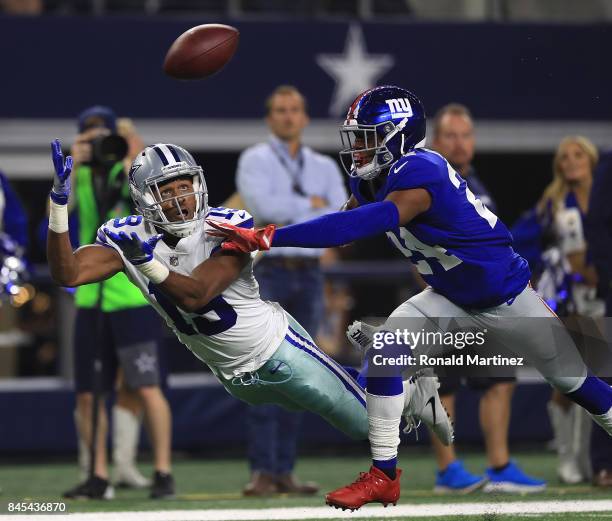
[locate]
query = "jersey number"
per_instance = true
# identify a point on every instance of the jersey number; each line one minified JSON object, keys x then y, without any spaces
{"x":225,"y":312}
{"x":412,"y":244}
{"x":480,"y":208}
{"x":446,"y":260}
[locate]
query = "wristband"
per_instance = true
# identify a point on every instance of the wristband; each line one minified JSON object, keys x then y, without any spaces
{"x":154,"y":270}
{"x":58,"y":217}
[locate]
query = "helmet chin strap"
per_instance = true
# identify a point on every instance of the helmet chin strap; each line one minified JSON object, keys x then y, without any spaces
{"x":369,"y":171}
{"x":180,"y":230}
{"x":400,"y":126}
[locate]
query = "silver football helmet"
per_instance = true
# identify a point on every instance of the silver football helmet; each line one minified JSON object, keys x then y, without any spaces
{"x":157,"y":165}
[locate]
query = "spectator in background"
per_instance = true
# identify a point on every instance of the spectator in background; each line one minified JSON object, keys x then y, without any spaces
{"x":13,"y":242}
{"x":453,"y":138}
{"x":338,"y":301}
{"x":284,"y":182}
{"x":128,"y":409}
{"x":126,"y":328}
{"x":21,"y":7}
{"x":562,"y":210}
{"x":599,"y":236}
{"x":13,"y":220}
{"x":127,"y":130}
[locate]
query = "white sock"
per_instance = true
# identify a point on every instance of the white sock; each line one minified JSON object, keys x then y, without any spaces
{"x":408,"y":389}
{"x":126,"y":433}
{"x":83,"y":450}
{"x":384,"y":416}
{"x":604,"y":420}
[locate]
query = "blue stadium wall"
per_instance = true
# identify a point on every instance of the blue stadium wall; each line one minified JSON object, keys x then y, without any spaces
{"x":207,"y":418}
{"x":54,"y":66}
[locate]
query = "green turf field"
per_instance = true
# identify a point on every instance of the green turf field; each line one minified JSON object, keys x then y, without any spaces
{"x":216,"y":484}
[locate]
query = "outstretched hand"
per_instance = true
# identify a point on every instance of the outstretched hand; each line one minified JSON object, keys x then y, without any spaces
{"x":243,"y":239}
{"x":61,"y":180}
{"x":134,"y":249}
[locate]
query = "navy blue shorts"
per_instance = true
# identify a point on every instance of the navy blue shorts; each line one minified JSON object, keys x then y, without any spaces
{"x":130,"y":339}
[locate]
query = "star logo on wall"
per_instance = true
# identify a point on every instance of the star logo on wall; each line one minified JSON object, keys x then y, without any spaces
{"x":354,"y":70}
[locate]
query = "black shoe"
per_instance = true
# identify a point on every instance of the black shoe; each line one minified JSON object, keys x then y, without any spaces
{"x":163,"y":486}
{"x":94,"y":488}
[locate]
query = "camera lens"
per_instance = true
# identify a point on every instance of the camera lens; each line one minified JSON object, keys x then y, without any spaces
{"x":111,"y":149}
{"x":107,"y":150}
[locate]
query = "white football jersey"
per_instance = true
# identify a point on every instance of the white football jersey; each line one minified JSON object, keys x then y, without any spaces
{"x":234,"y":333}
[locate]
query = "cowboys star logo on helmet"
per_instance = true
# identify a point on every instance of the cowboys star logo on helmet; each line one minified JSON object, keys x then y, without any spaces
{"x":132,"y":171}
{"x":382,"y":125}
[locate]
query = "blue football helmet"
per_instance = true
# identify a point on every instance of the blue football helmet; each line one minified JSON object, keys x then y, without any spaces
{"x":381,"y":125}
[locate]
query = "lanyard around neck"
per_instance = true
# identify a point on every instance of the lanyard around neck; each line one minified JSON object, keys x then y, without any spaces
{"x":295,"y":176}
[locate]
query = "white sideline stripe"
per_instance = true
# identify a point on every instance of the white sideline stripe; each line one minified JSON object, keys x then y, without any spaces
{"x":403,"y":511}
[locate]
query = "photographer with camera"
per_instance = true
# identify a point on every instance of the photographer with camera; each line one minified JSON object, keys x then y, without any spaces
{"x":114,"y":327}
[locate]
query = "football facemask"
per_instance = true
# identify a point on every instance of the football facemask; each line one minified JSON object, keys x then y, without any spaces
{"x":364,"y":151}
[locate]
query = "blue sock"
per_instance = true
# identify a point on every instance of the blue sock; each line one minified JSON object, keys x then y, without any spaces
{"x":362,"y":378}
{"x":376,"y":385}
{"x":352,"y":372}
{"x":594,"y":395}
{"x":385,"y":385}
{"x":387,"y":466}
{"x":385,"y":380}
{"x":359,"y":376}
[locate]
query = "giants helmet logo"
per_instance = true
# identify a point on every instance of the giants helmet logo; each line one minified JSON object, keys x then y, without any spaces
{"x":399,"y":107}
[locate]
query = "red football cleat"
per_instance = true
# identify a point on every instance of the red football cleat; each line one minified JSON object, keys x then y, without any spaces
{"x":370,"y":487}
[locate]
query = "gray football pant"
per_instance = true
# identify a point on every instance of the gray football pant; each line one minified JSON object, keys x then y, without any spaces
{"x":526,"y":326}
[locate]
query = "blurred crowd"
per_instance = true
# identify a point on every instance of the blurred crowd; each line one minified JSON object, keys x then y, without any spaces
{"x":467,"y":10}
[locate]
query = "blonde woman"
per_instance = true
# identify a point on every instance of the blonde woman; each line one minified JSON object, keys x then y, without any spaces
{"x":566,"y":201}
{"x":563,"y":206}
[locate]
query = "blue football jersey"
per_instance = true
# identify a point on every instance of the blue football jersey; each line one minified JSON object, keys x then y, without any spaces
{"x":458,"y":245}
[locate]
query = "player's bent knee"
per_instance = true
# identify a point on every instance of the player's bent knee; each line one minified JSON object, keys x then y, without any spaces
{"x":565,"y":384}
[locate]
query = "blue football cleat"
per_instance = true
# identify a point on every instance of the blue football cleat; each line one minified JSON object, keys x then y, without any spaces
{"x":456,"y":479}
{"x":512,"y":480}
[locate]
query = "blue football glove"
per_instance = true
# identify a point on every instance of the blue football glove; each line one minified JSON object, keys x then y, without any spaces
{"x":135,"y":250}
{"x":61,"y":180}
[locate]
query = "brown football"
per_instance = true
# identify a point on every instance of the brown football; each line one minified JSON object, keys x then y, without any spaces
{"x":201,"y":51}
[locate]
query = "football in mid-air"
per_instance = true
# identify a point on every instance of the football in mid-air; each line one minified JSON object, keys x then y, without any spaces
{"x":201,"y":51}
